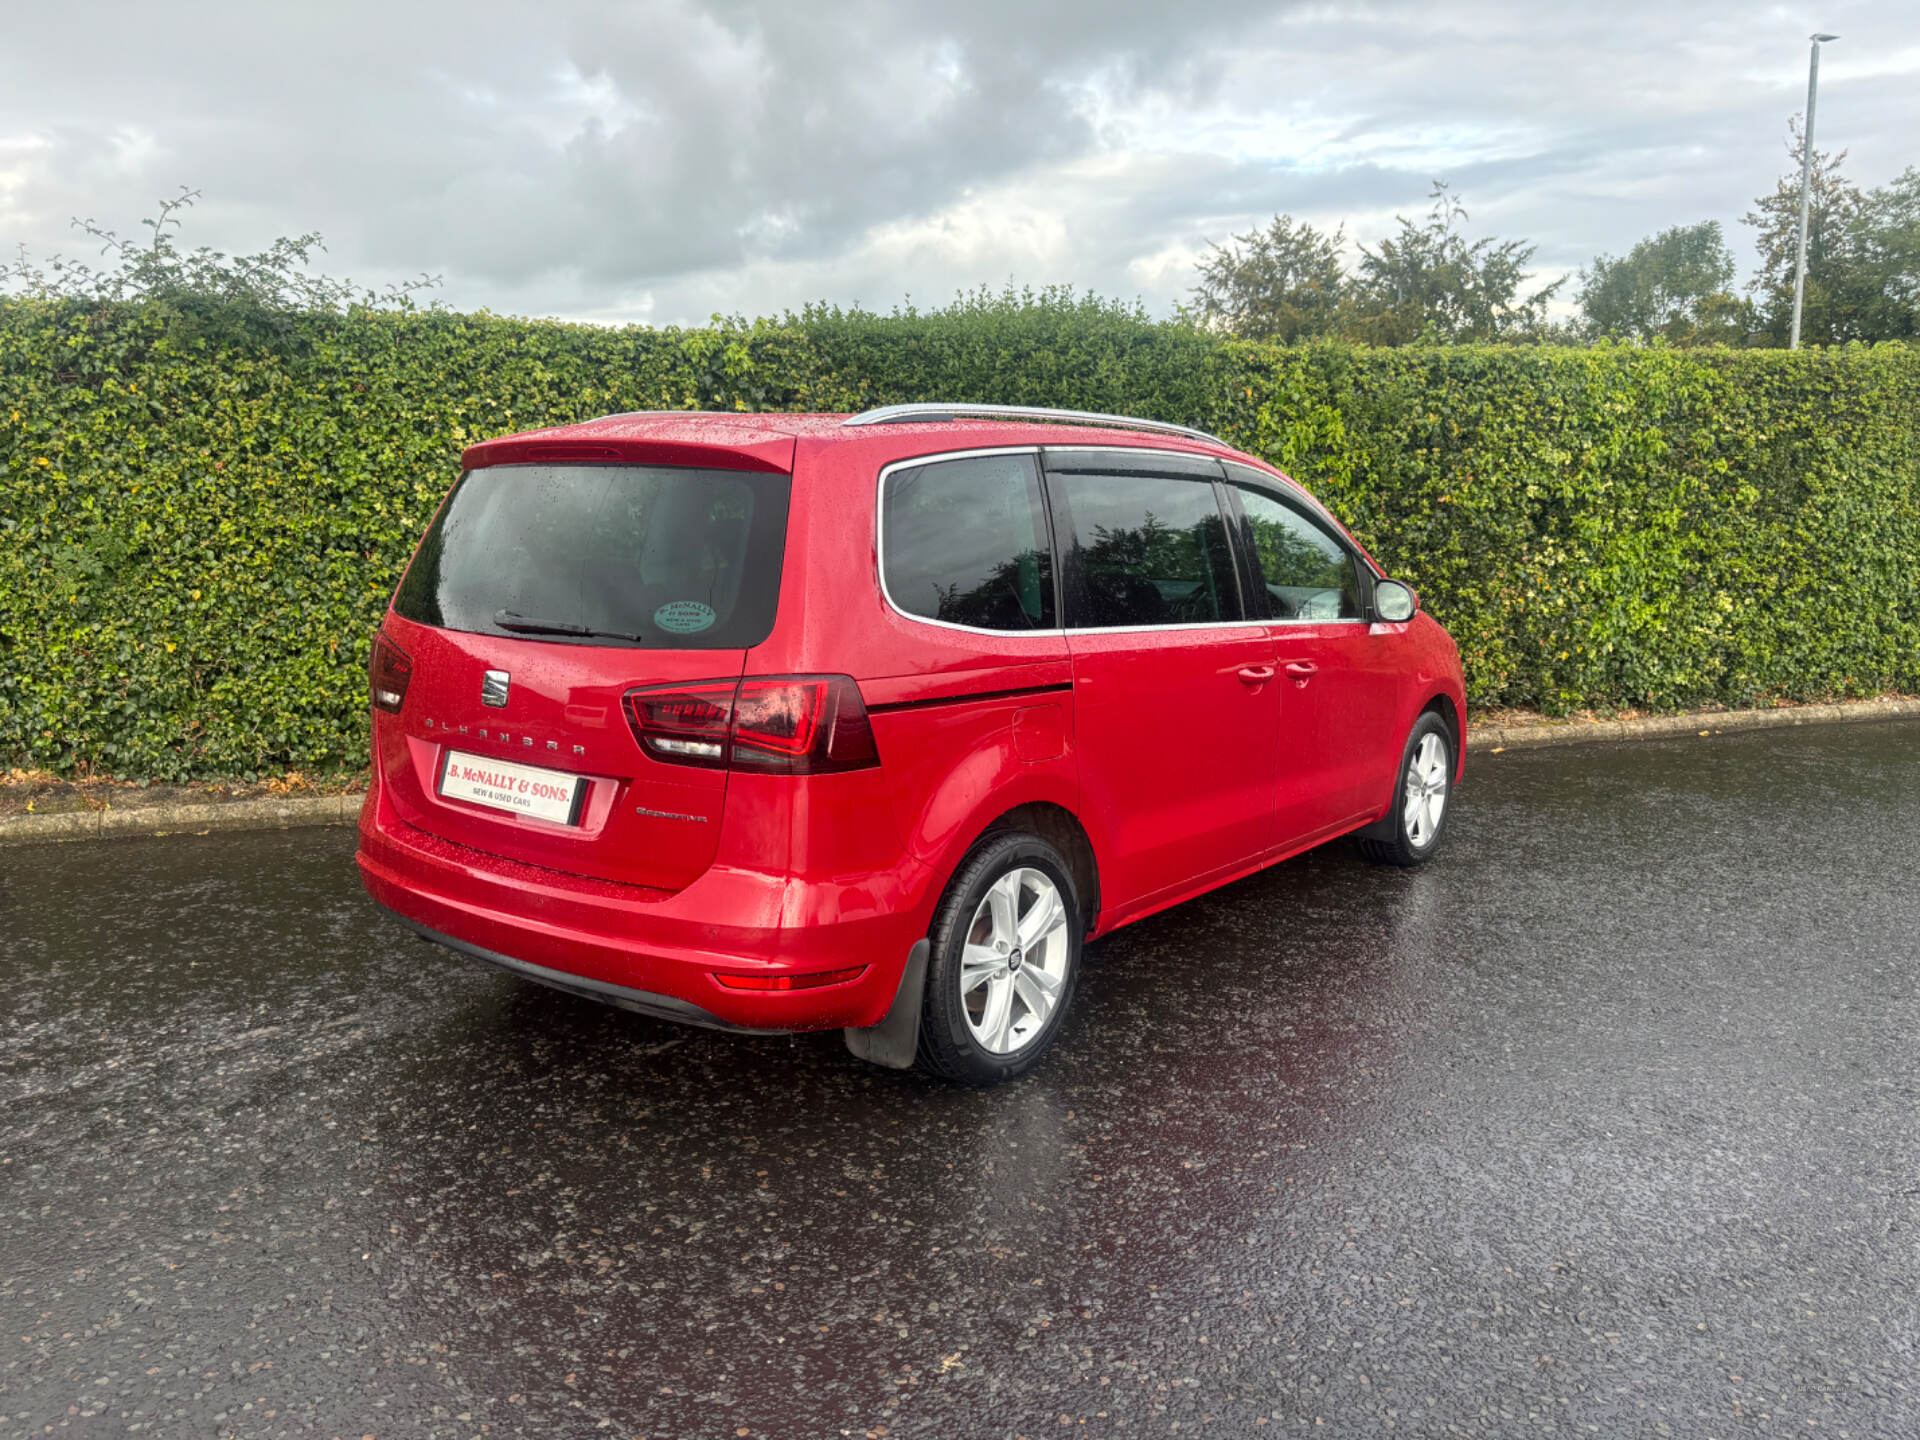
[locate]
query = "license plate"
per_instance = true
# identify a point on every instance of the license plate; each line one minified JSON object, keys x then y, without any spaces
{"x":517,"y":789}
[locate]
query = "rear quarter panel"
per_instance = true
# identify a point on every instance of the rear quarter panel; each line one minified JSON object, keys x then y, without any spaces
{"x":969,"y":725}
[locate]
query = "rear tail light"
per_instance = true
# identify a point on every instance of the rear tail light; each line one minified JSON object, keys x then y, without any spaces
{"x":388,"y":672}
{"x":808,"y":724}
{"x":781,"y":724}
{"x":788,"y":982}
{"x":688,"y":724}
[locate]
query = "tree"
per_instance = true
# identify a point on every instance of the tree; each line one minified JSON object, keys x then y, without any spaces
{"x":1885,"y":299}
{"x":1283,"y":283}
{"x":1673,"y":286}
{"x":1429,"y":281}
{"x":1833,"y":216}
{"x":222,"y":298}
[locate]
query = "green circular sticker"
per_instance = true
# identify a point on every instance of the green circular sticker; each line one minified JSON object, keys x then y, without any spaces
{"x":683,"y":617}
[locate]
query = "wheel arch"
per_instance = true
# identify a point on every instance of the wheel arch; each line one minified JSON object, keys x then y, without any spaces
{"x":1442,"y":704}
{"x":1060,"y":828}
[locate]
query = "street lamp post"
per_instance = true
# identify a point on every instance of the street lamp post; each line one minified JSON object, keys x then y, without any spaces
{"x":1806,"y":188}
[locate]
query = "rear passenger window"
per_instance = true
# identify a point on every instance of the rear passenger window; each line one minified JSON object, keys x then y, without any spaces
{"x":1305,"y":574}
{"x":965,"y":541}
{"x":1145,"y":550}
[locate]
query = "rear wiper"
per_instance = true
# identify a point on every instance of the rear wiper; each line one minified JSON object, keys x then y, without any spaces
{"x":527,"y":625}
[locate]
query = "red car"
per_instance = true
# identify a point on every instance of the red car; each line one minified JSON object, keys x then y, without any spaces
{"x":795,"y":722}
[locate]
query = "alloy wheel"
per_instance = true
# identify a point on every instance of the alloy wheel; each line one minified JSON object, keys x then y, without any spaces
{"x":1013,"y":966}
{"x":1426,"y":794}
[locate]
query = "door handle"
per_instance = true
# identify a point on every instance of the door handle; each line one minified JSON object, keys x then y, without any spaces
{"x":1302,"y":670}
{"x":1256,"y":674}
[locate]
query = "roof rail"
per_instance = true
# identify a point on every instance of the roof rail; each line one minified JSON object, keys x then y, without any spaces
{"x":929,"y":412}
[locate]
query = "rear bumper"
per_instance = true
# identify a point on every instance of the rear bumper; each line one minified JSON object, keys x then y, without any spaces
{"x":660,"y":1007}
{"x":655,"y":951}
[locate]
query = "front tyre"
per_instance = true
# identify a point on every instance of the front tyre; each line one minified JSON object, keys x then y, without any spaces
{"x":1005,"y":955}
{"x":1411,"y":831}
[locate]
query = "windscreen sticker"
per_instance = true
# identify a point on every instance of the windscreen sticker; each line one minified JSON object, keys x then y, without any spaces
{"x":683,"y":617}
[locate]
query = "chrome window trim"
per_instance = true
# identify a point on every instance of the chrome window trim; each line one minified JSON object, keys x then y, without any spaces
{"x":1330,"y":620}
{"x":1194,"y":625}
{"x":914,"y":461}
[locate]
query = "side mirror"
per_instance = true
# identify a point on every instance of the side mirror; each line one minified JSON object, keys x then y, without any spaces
{"x":1393,"y":601}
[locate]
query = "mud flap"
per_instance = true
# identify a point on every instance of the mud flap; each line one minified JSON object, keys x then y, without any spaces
{"x":895,"y":1039}
{"x":1386,"y":829}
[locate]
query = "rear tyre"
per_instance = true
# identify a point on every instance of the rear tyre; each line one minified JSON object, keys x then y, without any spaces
{"x":1004,"y":959}
{"x":1412,"y":830}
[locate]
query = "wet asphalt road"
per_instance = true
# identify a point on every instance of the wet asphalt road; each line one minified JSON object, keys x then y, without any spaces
{"x":1608,"y":1122}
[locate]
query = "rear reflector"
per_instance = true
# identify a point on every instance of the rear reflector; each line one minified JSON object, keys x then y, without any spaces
{"x":388,"y":673}
{"x":781,"y":724}
{"x":789,"y":982}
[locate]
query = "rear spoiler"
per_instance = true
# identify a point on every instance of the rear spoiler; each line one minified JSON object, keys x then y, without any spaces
{"x":706,"y":442}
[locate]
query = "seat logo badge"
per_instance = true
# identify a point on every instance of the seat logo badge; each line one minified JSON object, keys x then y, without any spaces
{"x":493,"y":689}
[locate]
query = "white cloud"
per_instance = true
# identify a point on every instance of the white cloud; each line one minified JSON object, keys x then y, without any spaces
{"x":665,"y":159}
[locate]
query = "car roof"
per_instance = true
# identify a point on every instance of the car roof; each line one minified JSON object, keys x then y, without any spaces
{"x":767,"y":440}
{"x":770,"y":435}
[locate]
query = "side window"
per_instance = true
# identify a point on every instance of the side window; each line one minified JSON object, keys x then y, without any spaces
{"x":1305,"y":574}
{"x":1145,"y":550}
{"x":965,"y":541}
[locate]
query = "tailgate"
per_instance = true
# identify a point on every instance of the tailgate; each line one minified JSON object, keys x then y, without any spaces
{"x":636,"y":820}
{"x":539,"y":596}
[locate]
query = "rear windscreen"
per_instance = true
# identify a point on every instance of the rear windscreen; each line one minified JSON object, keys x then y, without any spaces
{"x":604,"y":555}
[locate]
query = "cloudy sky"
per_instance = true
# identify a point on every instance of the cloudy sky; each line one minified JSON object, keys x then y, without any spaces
{"x":659,"y":160}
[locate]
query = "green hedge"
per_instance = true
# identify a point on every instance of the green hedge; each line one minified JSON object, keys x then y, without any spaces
{"x":196,"y":541}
